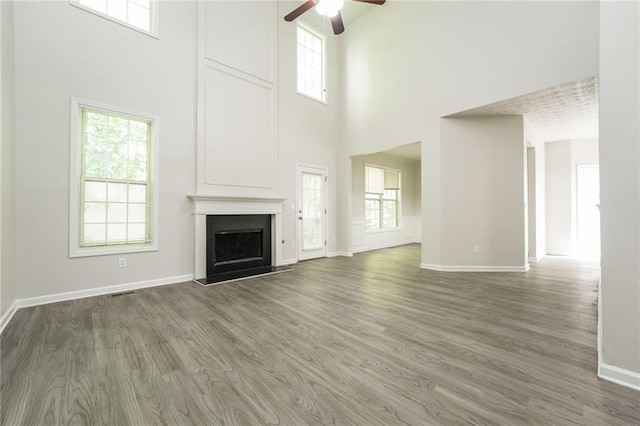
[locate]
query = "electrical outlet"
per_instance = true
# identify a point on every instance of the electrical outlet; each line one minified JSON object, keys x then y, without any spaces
{"x":122,"y":262}
{"x":476,"y":249}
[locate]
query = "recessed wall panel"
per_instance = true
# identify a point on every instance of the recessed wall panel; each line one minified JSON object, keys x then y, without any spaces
{"x":240,"y":34}
{"x":239,"y":138}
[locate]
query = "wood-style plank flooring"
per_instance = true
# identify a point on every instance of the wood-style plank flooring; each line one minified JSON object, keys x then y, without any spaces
{"x":368,"y":340}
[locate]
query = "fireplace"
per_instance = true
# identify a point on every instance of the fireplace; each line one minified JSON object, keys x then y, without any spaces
{"x":237,"y":244}
{"x":248,"y":229}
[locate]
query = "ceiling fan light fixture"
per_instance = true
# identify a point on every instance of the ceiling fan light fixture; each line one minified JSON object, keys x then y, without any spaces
{"x":329,"y":8}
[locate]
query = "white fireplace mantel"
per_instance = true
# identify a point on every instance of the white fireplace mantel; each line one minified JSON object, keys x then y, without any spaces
{"x":236,"y":204}
{"x":218,"y":204}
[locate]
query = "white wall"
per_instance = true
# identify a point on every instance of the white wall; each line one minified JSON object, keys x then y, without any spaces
{"x":563,"y":158}
{"x":531,"y":202}
{"x":483,"y":186}
{"x":559,"y":198}
{"x":410,"y":63}
{"x":7,"y":149}
{"x":620,"y":190}
{"x":309,"y":132}
{"x":537,"y":205}
{"x":237,"y":89}
{"x":410,"y":220}
{"x":63,"y":52}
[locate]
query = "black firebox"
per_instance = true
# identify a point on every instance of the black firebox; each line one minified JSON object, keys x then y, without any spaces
{"x":237,"y":246}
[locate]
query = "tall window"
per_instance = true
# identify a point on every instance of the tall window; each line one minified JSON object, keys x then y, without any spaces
{"x":382,"y":198}
{"x":310,"y":64}
{"x":138,"y":14}
{"x":112,"y":182}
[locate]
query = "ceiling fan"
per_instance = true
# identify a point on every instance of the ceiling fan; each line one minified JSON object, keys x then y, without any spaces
{"x":328,"y":8}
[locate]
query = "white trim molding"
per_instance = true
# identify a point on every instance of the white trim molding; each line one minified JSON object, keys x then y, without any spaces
{"x":205,"y":204}
{"x":380,"y":246}
{"x":462,"y":268}
{"x":81,"y":294}
{"x":100,"y":291}
{"x":340,"y":253}
{"x":620,"y":376}
{"x":75,"y":180}
{"x":599,"y":325}
{"x":6,"y":317}
{"x":365,"y":240}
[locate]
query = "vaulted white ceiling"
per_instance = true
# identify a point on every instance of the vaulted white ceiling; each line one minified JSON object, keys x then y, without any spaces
{"x":411,"y":151}
{"x":568,"y":111}
{"x":352,"y":10}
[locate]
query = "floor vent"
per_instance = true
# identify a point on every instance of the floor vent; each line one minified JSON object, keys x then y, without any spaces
{"x":122,"y":294}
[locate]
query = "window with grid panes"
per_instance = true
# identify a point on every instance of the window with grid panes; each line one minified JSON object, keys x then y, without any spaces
{"x":138,"y":14}
{"x":310,"y":64}
{"x":114,"y":180}
{"x":382,"y":198}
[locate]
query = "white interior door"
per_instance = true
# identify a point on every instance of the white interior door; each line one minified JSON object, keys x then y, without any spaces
{"x":312,"y":213}
{"x":588,"y":211}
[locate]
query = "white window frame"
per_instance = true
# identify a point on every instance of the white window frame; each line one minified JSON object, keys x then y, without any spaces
{"x":154,"y":5}
{"x":398,"y":201}
{"x":75,"y":180}
{"x":306,"y":28}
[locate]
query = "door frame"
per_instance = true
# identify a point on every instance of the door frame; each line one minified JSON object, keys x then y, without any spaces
{"x":300,"y":168}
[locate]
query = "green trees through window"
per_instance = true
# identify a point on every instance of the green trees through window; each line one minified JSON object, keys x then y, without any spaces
{"x":114,"y":179}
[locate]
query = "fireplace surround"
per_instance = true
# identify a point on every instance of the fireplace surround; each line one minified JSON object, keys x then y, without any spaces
{"x":269,"y":208}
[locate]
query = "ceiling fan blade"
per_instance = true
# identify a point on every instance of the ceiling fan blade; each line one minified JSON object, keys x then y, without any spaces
{"x":300,"y":10}
{"x":372,"y":1}
{"x":337,"y":24}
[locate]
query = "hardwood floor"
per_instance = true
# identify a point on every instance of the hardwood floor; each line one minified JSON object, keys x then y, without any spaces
{"x":369,"y":340}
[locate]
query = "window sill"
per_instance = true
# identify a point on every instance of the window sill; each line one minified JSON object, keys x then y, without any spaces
{"x":105,"y":251}
{"x":311,"y":98}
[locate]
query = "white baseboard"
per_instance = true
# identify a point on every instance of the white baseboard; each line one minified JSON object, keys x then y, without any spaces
{"x":458,"y":268}
{"x":6,"y":317}
{"x":363,"y":248}
{"x":291,"y":261}
{"x":81,"y":294}
{"x":627,"y":378}
{"x":340,"y":253}
{"x":536,"y":259}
